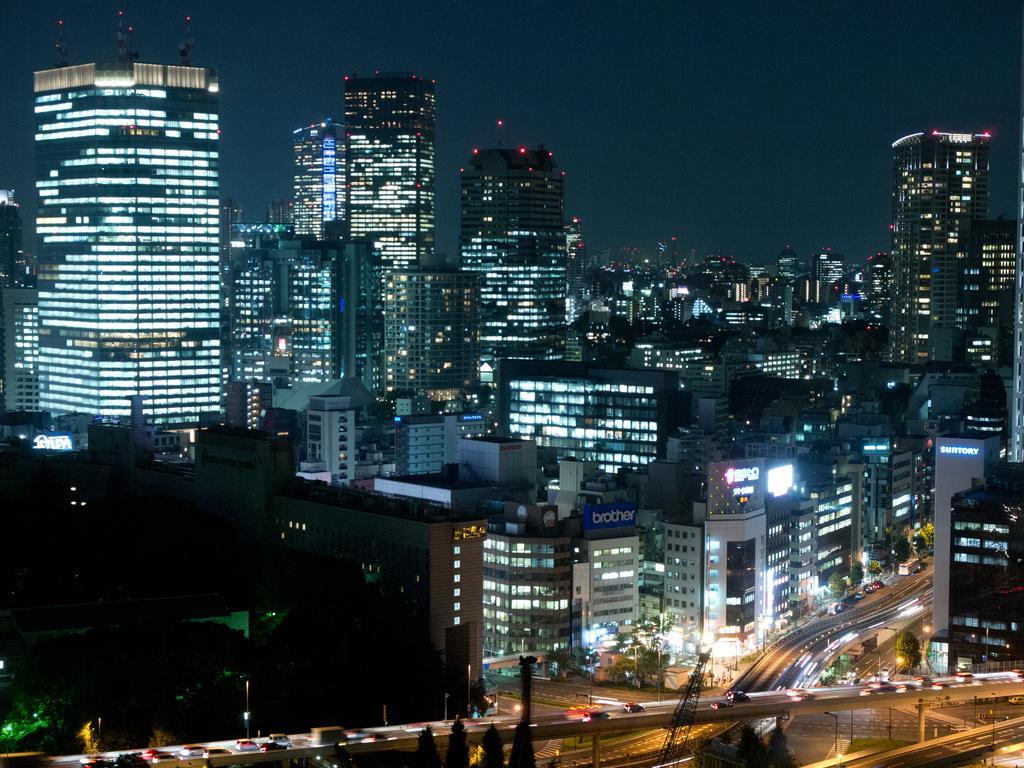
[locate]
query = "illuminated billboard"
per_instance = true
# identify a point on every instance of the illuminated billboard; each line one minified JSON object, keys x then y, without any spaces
{"x":780,"y":480}
{"x":615,"y":514}
{"x":53,"y":441}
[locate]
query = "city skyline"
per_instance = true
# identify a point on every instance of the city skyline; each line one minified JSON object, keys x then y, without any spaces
{"x":813,"y":129}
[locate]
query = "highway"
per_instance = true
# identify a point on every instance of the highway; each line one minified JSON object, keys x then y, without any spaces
{"x":799,"y":657}
{"x":766,"y":704}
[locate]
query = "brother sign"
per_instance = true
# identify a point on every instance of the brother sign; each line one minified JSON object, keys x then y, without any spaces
{"x":615,"y":514}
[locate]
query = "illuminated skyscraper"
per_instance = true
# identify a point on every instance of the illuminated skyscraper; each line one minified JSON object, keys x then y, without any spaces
{"x":788,"y":264}
{"x":128,"y":230}
{"x":319,"y":198}
{"x":827,"y":267}
{"x":577,"y":269}
{"x":987,"y":261}
{"x":281,"y":211}
{"x":513,"y":234}
{"x":389,"y":168}
{"x":431,"y":331}
{"x":940,"y":182}
{"x":13,"y":267}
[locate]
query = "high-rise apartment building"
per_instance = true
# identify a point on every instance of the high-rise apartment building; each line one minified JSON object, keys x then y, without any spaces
{"x":13,"y":267}
{"x":577,"y":270}
{"x":389,"y":168}
{"x":940,"y":182}
{"x":431,"y":331}
{"x":319,"y":177}
{"x":879,"y":284}
{"x":230,"y":217}
{"x":987,"y":261}
{"x":128,"y":230}
{"x":513,"y":234}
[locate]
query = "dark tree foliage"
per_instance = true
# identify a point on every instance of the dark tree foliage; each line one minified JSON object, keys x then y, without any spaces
{"x":751,"y":748}
{"x":522,"y":749}
{"x":901,"y":549}
{"x":457,"y":755}
{"x":426,"y":750}
{"x":494,"y":750}
{"x":779,"y":755}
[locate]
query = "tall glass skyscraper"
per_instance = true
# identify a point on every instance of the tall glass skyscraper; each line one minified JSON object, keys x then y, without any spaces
{"x":389,"y":168}
{"x":513,"y":234}
{"x":13,"y":266}
{"x":940,"y":182}
{"x":128,"y":231}
{"x":319,"y":179}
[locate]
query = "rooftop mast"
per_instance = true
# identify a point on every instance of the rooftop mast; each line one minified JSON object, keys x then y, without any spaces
{"x":60,"y":46}
{"x":185,"y":46}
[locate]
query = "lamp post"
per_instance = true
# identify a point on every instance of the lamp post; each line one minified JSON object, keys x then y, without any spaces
{"x":835,"y":717}
{"x":469,"y":695}
{"x":446,"y":706}
{"x":99,"y":730}
{"x":247,"y":715}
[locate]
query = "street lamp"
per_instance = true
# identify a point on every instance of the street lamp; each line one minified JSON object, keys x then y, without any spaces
{"x":246,"y":714}
{"x":835,"y":716}
{"x":446,"y":706}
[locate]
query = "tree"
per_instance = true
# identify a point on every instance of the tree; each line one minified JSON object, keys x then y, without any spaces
{"x":920,"y":545}
{"x":521,"y":755}
{"x":874,"y":567}
{"x":901,"y":549}
{"x":908,"y":649}
{"x":457,"y":755}
{"x":751,"y":748}
{"x":928,"y":531}
{"x":494,"y":750}
{"x":836,"y":585}
{"x":856,"y":573}
{"x":426,"y":750}
{"x":559,"y":662}
{"x":779,"y":755}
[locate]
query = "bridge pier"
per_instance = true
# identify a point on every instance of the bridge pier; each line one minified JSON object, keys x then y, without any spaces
{"x":920,"y":722}
{"x":595,"y":750}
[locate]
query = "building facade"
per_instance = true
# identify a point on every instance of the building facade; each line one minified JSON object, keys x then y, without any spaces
{"x":988,"y":258}
{"x":128,"y":231}
{"x":14,"y":270}
{"x":389,"y":168}
{"x":431,"y":332}
{"x":19,"y":387}
{"x":513,"y":235}
{"x":940,"y":182}
{"x":617,"y":418}
{"x":319,"y":181}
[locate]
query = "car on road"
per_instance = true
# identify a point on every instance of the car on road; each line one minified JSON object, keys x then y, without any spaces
{"x":723,"y":704}
{"x":877,"y":585}
{"x":964,"y":677}
{"x":633,"y":708}
{"x":1015,"y":700}
{"x":215,"y":751}
{"x":799,"y":694}
{"x":600,"y":715}
{"x":246,"y":745}
{"x":192,"y":750}
{"x":937,"y":686}
{"x":155,"y":755}
{"x":859,"y":596}
{"x":271,"y":746}
{"x":736,"y":696}
{"x":280,"y":738}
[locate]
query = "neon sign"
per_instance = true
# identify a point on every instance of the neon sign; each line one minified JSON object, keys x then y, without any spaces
{"x":959,"y":450}
{"x":742,"y":474}
{"x":53,"y":442}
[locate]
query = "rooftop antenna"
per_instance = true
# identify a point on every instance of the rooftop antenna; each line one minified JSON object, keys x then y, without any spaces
{"x":501,"y":124}
{"x":122,"y":40}
{"x":132,"y":53}
{"x":60,"y":46}
{"x":185,"y":46}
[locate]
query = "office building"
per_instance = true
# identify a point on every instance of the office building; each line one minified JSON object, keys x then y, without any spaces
{"x":962,"y":461}
{"x":787,"y":264}
{"x":230,"y":218}
{"x":318,"y":172}
{"x":606,"y":573}
{"x":331,"y":438}
{"x":430,"y":554}
{"x":281,"y":211}
{"x":284,"y":317}
{"x":425,"y":444}
{"x":987,"y":260}
{"x":128,"y":231}
{"x":833,"y":526}
{"x":617,"y":418}
{"x":389,"y":168}
{"x":577,"y":270}
{"x":431,"y":332}
{"x":14,"y":270}
{"x":940,"y":182}
{"x":827,"y":268}
{"x":986,"y":603}
{"x":888,"y":501}
{"x":527,"y":582}
{"x":879,"y":284}
{"x":513,"y":235}
{"x":19,"y":347}
{"x":246,"y":403}
{"x":684,"y":577}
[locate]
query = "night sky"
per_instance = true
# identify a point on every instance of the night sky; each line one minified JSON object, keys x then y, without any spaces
{"x":738,"y":126}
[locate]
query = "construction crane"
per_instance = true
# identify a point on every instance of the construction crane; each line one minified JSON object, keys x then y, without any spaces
{"x":674,"y":748}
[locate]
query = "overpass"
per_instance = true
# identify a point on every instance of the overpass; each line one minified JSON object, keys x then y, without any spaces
{"x":762,"y":705}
